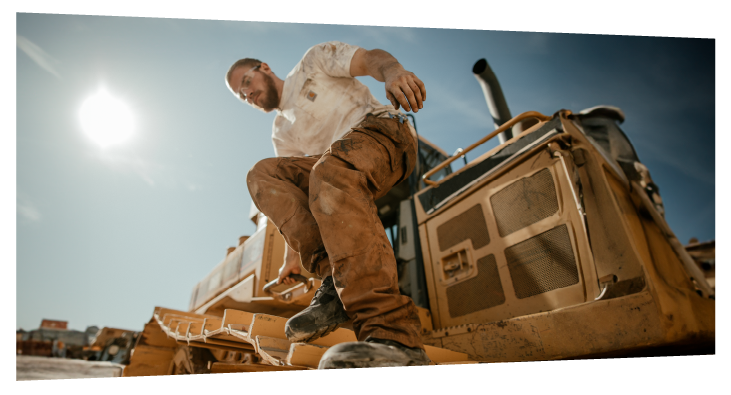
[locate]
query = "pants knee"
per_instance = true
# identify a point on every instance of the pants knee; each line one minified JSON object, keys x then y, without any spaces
{"x":261,"y":171}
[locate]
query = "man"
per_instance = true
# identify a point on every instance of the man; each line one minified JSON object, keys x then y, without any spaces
{"x":338,"y":150}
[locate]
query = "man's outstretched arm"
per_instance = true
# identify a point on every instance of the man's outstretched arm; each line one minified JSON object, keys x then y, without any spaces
{"x":401,"y":85}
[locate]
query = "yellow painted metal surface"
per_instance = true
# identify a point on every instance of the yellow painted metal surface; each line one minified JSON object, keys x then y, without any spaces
{"x":634,"y":289}
{"x":646,"y":289}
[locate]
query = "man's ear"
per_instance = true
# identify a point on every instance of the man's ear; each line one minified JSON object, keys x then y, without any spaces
{"x":265,"y":68}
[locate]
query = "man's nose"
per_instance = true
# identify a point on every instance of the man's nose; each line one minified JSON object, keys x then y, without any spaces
{"x":247,"y":97}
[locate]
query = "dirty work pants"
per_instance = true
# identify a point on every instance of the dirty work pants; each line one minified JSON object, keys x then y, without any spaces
{"x":324,"y":207}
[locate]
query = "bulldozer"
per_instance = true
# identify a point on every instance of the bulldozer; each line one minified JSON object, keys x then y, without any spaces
{"x":552,"y":245}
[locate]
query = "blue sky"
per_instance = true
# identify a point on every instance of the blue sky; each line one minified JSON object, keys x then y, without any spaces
{"x":105,"y":235}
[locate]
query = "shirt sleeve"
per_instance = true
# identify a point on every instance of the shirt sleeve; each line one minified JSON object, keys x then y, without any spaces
{"x":332,"y":58}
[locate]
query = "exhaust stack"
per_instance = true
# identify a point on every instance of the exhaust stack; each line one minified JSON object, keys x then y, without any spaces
{"x":494,"y":97}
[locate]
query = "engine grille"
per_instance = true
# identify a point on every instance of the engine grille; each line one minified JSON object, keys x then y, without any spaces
{"x":542,"y":263}
{"x":524,"y":202}
{"x":479,"y":293}
{"x":468,"y":225}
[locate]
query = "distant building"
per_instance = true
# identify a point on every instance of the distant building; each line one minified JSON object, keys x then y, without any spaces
{"x":53,"y":338}
{"x":52,"y":324}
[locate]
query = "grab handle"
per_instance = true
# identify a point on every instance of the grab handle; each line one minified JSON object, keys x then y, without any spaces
{"x":502,"y":128}
{"x":297,"y":277}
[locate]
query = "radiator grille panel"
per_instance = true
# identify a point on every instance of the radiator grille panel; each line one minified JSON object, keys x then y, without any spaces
{"x":524,"y":202}
{"x":478,"y":293}
{"x":542,"y":263}
{"x":468,"y":225}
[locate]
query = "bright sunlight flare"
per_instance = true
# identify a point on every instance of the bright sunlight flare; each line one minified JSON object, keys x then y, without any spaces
{"x":105,"y":119}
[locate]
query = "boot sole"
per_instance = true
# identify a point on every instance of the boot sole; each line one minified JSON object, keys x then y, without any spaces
{"x":369,"y":355}
{"x":311,"y":333}
{"x":357,"y":361}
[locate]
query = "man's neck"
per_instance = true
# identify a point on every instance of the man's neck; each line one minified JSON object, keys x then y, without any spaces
{"x":279,"y":85}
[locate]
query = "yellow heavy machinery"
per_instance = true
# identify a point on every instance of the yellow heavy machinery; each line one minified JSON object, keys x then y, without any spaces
{"x":552,"y":245}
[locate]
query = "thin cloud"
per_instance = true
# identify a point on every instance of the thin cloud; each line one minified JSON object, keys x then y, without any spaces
{"x":684,"y":164}
{"x":259,"y":27}
{"x":191,"y":186}
{"x":144,"y":169}
{"x":28,"y":210}
{"x":537,"y":42}
{"x":153,"y":174}
{"x":384,"y":36}
{"x":469,"y":111}
{"x":41,"y":57}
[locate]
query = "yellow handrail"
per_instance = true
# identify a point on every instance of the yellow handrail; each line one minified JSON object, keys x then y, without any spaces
{"x":502,"y":128}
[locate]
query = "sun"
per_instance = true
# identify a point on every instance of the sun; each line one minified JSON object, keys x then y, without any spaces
{"x":106,"y":120}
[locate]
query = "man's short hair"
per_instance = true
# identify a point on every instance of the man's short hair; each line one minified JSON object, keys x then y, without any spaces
{"x":250,"y":62}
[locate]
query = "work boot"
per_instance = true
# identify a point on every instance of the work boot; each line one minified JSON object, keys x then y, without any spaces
{"x":325,"y":314}
{"x":372,"y":353}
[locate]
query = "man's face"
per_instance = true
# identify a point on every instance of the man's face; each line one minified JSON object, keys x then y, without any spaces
{"x":257,"y":85}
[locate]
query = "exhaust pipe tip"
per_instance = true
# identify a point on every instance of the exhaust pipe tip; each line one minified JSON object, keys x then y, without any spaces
{"x":480,"y":66}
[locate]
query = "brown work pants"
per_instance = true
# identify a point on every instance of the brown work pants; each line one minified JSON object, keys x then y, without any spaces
{"x":324,"y":207}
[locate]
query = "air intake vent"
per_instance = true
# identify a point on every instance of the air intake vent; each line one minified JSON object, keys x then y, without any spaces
{"x":478,"y":293}
{"x":542,"y":263}
{"x":468,"y":225}
{"x":524,"y":202}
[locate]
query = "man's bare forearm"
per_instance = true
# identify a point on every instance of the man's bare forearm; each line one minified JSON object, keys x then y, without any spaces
{"x":376,"y":63}
{"x":403,"y":88}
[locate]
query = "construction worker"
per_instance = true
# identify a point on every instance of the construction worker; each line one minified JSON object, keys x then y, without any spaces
{"x":338,"y":150}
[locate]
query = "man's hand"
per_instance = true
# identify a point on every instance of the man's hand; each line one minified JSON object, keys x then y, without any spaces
{"x":403,"y":88}
{"x":291,"y":265}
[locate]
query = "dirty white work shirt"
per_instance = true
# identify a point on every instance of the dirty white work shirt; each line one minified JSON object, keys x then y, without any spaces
{"x":321,"y":102}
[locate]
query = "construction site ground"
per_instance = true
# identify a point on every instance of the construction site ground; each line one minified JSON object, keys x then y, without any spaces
{"x":29,"y":367}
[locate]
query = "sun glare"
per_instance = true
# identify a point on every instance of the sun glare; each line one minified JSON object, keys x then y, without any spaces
{"x":105,"y":119}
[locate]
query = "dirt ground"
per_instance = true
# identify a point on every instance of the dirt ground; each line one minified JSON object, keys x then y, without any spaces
{"x":43,"y":368}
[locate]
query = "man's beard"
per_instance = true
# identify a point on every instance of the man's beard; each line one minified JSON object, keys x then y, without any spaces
{"x":270,"y":96}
